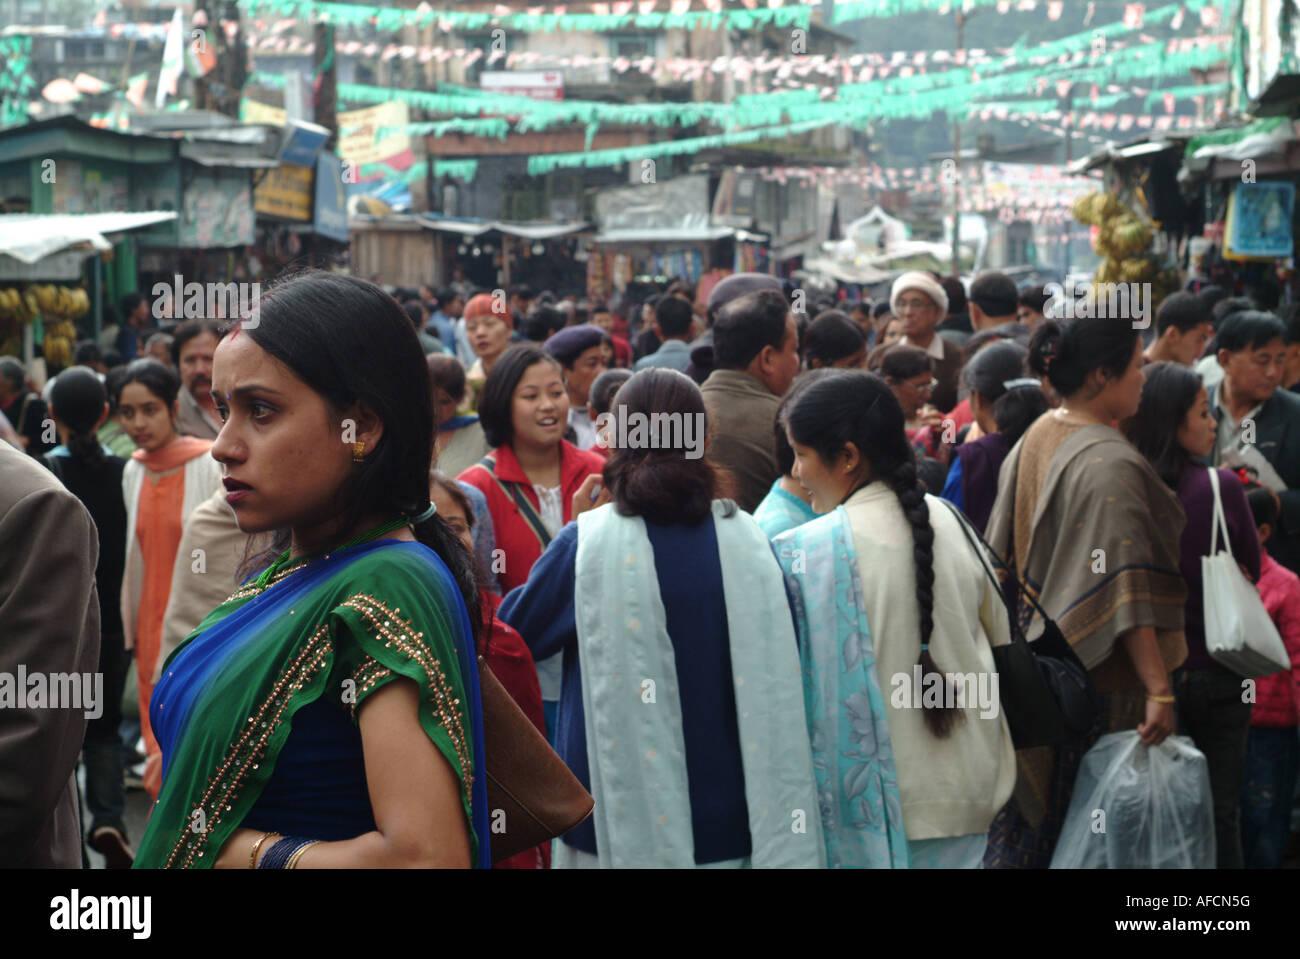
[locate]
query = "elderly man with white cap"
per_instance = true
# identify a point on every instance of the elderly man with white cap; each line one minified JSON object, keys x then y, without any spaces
{"x":920,"y":301}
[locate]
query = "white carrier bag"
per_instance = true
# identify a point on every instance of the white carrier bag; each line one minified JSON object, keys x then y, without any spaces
{"x":1238,"y":630}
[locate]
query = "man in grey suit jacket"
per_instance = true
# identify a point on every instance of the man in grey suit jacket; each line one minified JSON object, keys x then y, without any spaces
{"x":49,"y":624}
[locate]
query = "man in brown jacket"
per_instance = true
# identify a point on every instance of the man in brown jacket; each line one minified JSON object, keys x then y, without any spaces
{"x":49,"y":646}
{"x":919,"y":299}
{"x":756,"y":356}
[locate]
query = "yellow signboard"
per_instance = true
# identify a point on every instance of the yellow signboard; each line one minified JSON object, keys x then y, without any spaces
{"x":285,"y":192}
{"x":250,"y":111}
{"x":361,"y":143}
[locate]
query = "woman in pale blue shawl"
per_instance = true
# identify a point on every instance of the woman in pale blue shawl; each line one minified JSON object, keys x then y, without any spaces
{"x":901,"y":783}
{"x":681,"y":707}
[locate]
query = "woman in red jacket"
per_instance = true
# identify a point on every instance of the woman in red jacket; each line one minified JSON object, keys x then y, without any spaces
{"x":531,"y":475}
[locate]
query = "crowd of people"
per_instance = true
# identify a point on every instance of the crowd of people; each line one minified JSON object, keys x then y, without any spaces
{"x":307,"y":536}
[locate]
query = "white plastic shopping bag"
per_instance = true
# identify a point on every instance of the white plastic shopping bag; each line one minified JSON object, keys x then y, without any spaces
{"x":1239,"y":633}
{"x":1139,"y":807}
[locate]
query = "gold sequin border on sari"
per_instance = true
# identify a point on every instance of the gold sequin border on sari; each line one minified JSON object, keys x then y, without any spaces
{"x":401,"y":633}
{"x":246,"y":753}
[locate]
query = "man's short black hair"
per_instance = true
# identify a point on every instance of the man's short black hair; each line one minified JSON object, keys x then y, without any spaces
{"x":880,"y":309}
{"x":129,"y":303}
{"x":86,"y":353}
{"x":1290,"y":316}
{"x":522,"y":290}
{"x":1226,"y":307}
{"x":188,"y":331}
{"x":543,"y":323}
{"x":747,"y":324}
{"x":1182,"y":311}
{"x":1034,"y":298}
{"x":995,"y":293}
{"x":1250,"y":330}
{"x":673,"y":314}
{"x":445,"y":296}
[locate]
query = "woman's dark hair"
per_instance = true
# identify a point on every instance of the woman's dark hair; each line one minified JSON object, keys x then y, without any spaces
{"x":350,"y":342}
{"x":830,"y":337}
{"x":1263,"y":505}
{"x":904,"y":362}
{"x":1168,"y":392}
{"x":496,"y":404}
{"x":415,"y":310}
{"x":850,"y":406}
{"x":990,"y":371}
{"x":662,"y":485}
{"x":784,"y":453}
{"x":159,"y":380}
{"x":881,"y":308}
{"x":113,"y":386}
{"x":1066,"y":353}
{"x":78,"y":399}
{"x":604,"y":388}
{"x":446,"y":374}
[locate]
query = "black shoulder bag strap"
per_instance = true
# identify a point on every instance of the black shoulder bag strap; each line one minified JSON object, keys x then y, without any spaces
{"x":516,"y":493}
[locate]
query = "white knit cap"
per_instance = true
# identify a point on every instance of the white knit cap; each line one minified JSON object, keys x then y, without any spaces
{"x":924,"y":282}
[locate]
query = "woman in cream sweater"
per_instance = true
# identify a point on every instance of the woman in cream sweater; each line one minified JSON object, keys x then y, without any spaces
{"x":897,"y":620}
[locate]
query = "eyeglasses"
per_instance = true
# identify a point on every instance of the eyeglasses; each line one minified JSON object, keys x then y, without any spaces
{"x":924,"y":387}
{"x":913,"y":305}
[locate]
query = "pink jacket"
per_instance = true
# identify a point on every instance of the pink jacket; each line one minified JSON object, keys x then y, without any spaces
{"x":1277,"y":697}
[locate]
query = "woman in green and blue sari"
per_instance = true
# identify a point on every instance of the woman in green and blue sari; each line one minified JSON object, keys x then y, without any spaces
{"x":327,"y":714}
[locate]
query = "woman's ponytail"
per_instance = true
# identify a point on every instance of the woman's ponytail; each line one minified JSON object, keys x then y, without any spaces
{"x":907,"y":487}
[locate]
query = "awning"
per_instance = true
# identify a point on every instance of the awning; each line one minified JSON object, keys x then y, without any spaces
{"x":846,"y":272}
{"x":1108,"y":154}
{"x":661,"y":236}
{"x":31,"y":237}
{"x":529,"y":231}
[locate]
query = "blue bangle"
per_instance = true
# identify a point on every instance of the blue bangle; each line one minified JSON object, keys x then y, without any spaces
{"x":277,"y":857}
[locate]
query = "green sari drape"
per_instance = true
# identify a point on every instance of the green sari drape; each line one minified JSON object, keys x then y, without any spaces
{"x":341,"y":627}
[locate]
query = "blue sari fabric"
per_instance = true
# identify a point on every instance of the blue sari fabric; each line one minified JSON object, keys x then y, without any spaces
{"x":857,"y":784}
{"x":225,"y":645}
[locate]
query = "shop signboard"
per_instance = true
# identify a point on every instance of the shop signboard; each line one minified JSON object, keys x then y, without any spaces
{"x":285,"y":192}
{"x":330,"y":215}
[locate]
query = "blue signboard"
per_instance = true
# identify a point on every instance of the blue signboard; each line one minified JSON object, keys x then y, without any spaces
{"x":330,"y":213}
{"x":302,"y":142}
{"x":1260,"y":221}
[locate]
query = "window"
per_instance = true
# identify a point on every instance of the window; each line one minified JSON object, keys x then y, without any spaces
{"x":634,"y":46}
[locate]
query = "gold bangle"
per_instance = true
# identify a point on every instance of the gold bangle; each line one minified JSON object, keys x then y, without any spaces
{"x":293,"y":860}
{"x":252,"y":859}
{"x":1164,"y":700}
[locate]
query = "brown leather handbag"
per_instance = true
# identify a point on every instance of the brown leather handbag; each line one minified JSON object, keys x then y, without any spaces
{"x":532,"y":795}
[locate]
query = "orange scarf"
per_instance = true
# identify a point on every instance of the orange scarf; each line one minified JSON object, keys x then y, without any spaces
{"x":180,"y":450}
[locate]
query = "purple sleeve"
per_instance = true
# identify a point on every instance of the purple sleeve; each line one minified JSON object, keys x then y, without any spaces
{"x":1241,"y":523}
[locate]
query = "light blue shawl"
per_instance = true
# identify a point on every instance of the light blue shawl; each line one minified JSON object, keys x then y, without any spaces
{"x":635,"y":743}
{"x":857,"y":785}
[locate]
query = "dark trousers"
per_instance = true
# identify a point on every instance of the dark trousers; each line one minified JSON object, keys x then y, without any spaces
{"x":1211,"y":711}
{"x":1271,"y":759}
{"x":102,"y":749}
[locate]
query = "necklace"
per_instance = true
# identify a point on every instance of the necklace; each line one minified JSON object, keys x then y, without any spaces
{"x":282,"y":565}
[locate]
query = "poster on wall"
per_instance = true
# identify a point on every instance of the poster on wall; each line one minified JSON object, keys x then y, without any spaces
{"x":217,"y":211}
{"x":84,"y":188}
{"x":1259,"y":221}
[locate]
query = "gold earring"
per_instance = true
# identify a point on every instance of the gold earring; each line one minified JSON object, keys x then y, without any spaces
{"x":358,"y":451}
